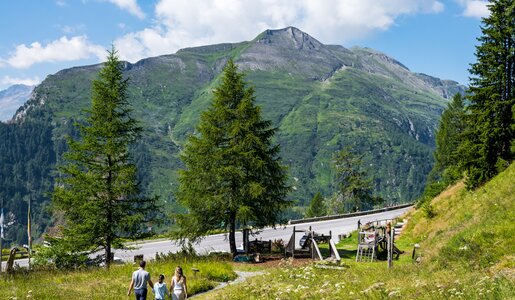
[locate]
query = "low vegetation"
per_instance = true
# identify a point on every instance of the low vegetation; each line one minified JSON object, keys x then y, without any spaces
{"x":113,"y":283}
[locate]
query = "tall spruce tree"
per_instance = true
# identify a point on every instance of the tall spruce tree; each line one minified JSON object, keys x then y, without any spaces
{"x":233,"y":174}
{"x":97,"y":189}
{"x":486,"y":146}
{"x":448,"y":138}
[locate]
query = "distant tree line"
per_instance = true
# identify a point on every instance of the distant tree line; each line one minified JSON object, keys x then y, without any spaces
{"x":26,"y":160}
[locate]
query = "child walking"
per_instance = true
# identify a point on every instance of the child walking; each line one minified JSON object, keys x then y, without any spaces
{"x":160,"y":289}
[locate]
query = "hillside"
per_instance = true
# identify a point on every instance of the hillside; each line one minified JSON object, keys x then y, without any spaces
{"x":468,"y":252}
{"x":321,"y":97}
{"x":474,"y":229}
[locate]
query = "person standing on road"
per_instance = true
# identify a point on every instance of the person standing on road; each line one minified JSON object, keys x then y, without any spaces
{"x":140,"y":279}
{"x":178,"y":287}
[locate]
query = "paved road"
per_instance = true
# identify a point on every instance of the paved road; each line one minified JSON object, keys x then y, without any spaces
{"x":219,"y":242}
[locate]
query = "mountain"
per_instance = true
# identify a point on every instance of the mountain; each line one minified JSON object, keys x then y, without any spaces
{"x":320,"y":97}
{"x":12,"y":98}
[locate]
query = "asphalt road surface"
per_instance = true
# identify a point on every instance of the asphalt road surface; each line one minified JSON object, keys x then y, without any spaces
{"x":219,"y":242}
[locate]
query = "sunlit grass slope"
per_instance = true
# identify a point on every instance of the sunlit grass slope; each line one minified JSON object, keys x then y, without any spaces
{"x":467,"y":247}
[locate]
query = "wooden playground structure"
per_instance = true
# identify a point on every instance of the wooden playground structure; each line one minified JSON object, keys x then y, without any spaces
{"x":309,"y":245}
{"x":10,"y":260}
{"x":376,"y":240}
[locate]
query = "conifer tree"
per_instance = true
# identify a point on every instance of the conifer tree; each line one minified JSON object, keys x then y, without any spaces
{"x":317,"y":206}
{"x":448,"y":138}
{"x":486,"y":147}
{"x":354,"y":188}
{"x":97,"y":189}
{"x":233,"y":174}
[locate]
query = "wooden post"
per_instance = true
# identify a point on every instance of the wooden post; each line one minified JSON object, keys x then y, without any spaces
{"x":1,"y":238}
{"x":29,"y":231}
{"x":390,"y":246}
{"x":293,"y":247}
{"x":1,"y":231}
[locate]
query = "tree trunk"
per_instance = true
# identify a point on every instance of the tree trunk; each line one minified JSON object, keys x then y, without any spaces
{"x":109,"y":233}
{"x":232,"y":235}
{"x":108,"y":255}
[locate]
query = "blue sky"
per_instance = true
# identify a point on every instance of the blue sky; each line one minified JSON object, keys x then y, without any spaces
{"x":41,"y":37}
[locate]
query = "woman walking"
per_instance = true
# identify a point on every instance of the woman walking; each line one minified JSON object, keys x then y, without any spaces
{"x":178,"y":286}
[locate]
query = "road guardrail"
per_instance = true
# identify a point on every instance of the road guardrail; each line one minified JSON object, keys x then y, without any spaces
{"x":349,"y":215}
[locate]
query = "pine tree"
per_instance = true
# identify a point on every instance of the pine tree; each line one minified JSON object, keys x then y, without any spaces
{"x":317,"y":207}
{"x":354,"y":189}
{"x":448,"y":138}
{"x":486,"y":147}
{"x":97,"y":189}
{"x":233,"y":173}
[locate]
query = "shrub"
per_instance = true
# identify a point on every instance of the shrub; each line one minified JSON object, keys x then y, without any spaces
{"x":278,"y":246}
{"x":429,"y":210}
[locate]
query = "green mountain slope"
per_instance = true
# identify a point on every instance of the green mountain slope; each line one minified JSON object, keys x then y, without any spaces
{"x":321,"y":97}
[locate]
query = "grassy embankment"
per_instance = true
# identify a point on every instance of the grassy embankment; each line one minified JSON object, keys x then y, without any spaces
{"x":110,"y":284}
{"x":468,"y":248}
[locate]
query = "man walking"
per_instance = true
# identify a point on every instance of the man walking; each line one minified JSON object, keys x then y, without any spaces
{"x":140,"y":279}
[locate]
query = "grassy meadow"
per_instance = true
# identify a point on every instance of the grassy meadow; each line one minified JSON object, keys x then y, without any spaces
{"x":110,"y":284}
{"x":467,"y":249}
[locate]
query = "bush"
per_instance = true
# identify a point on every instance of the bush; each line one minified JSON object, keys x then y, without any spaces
{"x":278,"y":246}
{"x":429,"y":210}
{"x":57,"y":256}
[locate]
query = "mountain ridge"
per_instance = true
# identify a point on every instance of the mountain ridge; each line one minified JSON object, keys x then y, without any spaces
{"x":320,"y":97}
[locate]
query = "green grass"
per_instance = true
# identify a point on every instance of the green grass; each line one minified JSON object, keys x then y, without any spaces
{"x":467,"y":248}
{"x":110,"y":284}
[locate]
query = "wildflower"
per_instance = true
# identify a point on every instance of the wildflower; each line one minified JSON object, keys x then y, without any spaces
{"x":393,"y":293}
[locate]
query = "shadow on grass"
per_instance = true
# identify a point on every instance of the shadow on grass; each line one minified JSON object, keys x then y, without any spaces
{"x":344,"y":253}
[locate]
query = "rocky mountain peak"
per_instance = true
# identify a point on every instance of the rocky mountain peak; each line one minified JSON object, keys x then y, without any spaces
{"x":289,"y":37}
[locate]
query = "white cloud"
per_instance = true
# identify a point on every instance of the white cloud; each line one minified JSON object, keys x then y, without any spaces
{"x":131,"y":6}
{"x":8,"y":80}
{"x":60,"y":3}
{"x":63,"y":49}
{"x":181,"y":23}
{"x":71,"y":29}
{"x":475,"y":8}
